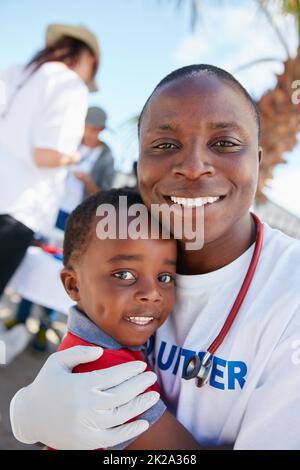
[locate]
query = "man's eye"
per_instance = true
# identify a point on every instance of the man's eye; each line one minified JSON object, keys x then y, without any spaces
{"x":165,"y":146}
{"x":224,"y":143}
{"x":165,"y":278}
{"x":124,"y":275}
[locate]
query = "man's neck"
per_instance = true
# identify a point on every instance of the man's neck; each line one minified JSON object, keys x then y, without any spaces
{"x":219,"y":253}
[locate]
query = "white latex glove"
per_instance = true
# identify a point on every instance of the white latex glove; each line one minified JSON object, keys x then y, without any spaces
{"x":82,"y":411}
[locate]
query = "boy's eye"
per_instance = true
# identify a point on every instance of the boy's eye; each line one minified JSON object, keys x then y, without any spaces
{"x":124,"y":275}
{"x":165,"y":146}
{"x":165,"y":278}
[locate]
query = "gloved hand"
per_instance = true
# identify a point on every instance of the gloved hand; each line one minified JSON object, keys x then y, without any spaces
{"x":80,"y":411}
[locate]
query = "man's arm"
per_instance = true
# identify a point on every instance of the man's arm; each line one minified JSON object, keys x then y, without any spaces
{"x":166,"y":434}
{"x":84,"y":411}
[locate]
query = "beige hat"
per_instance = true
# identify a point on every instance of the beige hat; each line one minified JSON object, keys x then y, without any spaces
{"x":56,"y":31}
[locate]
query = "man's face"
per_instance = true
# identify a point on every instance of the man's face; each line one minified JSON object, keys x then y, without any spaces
{"x":91,"y":136}
{"x":199,"y":139}
{"x":126,"y":287}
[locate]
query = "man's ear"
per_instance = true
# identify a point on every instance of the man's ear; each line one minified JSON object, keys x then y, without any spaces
{"x":70,"y":283}
{"x":260,"y":154}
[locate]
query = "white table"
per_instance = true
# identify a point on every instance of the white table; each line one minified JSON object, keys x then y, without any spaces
{"x":37,"y":279}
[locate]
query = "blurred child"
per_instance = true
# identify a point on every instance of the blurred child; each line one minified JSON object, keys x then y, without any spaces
{"x":94,"y":171}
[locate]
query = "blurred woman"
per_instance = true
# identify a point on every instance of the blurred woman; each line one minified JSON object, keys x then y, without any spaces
{"x":41,"y":126}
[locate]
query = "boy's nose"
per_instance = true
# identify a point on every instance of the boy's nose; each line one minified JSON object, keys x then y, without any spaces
{"x":148,"y":293}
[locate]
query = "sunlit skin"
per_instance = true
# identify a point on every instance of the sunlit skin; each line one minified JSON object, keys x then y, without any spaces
{"x":115,"y":279}
{"x":198,"y":138}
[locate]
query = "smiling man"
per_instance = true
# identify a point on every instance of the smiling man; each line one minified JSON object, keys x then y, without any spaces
{"x":238,"y":298}
{"x":199,"y":143}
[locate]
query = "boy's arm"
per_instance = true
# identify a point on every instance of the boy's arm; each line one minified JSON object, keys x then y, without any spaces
{"x":165,"y":431}
{"x":166,"y":434}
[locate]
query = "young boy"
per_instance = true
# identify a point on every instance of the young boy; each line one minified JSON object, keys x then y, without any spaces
{"x":124,"y":290}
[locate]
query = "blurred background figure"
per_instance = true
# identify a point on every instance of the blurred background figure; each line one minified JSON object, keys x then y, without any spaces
{"x":46,"y":106}
{"x":94,"y":171}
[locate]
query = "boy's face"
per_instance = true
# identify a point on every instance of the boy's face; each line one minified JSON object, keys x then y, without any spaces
{"x":199,"y":138}
{"x":126,"y":287}
{"x":91,"y":135}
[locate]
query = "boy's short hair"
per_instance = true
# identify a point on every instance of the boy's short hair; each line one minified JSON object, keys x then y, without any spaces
{"x":78,"y":231}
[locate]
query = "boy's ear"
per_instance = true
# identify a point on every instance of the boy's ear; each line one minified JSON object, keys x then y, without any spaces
{"x":70,"y":283}
{"x":260,"y":154}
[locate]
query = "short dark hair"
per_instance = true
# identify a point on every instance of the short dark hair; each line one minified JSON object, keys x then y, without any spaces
{"x":194,"y":70}
{"x":78,"y":231}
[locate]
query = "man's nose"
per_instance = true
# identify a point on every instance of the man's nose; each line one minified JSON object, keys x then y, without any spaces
{"x":194,"y":162}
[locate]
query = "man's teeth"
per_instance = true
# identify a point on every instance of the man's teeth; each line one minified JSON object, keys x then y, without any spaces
{"x":194,"y":202}
{"x":140,"y":320}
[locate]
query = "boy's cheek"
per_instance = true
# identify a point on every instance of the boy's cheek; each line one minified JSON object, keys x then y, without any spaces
{"x":167,"y":312}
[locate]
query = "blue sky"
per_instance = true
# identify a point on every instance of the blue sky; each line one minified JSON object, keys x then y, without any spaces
{"x":143,"y":40}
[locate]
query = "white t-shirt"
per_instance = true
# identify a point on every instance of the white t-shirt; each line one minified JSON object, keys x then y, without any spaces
{"x":253,"y":395}
{"x":47,"y":112}
{"x":74,"y":188}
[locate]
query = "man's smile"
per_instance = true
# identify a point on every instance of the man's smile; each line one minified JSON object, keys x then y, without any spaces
{"x":195,"y":202}
{"x":188,"y":200}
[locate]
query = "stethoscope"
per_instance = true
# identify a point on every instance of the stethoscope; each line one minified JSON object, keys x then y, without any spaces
{"x":199,"y":369}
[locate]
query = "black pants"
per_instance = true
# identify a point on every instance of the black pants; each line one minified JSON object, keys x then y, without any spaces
{"x":15,"y":238}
